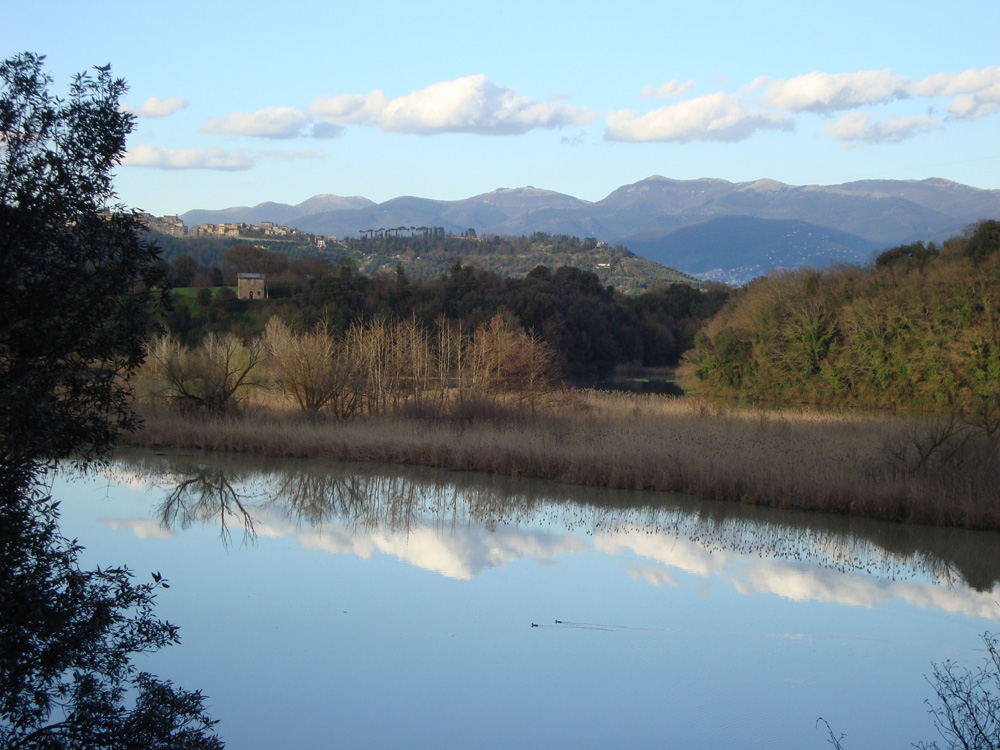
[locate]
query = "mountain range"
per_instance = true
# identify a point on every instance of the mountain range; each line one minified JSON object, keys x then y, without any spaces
{"x":710,"y":228}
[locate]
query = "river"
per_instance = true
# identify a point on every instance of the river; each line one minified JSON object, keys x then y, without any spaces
{"x":333,"y":605}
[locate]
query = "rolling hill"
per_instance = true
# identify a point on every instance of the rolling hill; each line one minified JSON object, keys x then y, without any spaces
{"x":708,"y":227}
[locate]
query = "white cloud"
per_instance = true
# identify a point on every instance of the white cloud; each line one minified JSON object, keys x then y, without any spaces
{"x":146,"y":155}
{"x":733,"y":117}
{"x":473,"y":104}
{"x":349,"y":109}
{"x":974,"y":106}
{"x":832,"y":92}
{"x":858,"y":127}
{"x":686,"y":555}
{"x":656,"y":576}
{"x":799,"y":581}
{"x":798,"y":584}
{"x":949,"y":84}
{"x":156,"y":106}
{"x":976,"y":93}
{"x":461,"y":554}
{"x":143,"y":528}
{"x":983,"y":102}
{"x":672,"y":89}
{"x":273,"y":122}
{"x":713,"y":117}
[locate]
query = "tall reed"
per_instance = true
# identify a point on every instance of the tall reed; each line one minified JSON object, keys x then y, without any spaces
{"x":793,"y":459}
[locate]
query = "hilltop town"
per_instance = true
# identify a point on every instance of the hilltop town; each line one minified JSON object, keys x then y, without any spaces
{"x":173,"y":226}
{"x":422,"y":252}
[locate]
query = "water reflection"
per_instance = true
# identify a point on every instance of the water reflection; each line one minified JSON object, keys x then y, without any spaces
{"x":203,"y":494}
{"x":460,"y":525}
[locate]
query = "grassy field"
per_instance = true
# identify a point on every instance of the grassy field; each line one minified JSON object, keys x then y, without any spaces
{"x":928,"y":471}
{"x":191,"y":292}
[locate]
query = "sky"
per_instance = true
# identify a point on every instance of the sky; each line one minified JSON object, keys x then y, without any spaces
{"x":237,"y":104}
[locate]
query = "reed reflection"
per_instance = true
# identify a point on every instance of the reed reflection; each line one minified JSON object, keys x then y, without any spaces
{"x":459,"y":524}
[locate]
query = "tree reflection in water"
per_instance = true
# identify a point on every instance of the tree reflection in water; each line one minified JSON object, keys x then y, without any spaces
{"x":230,"y":490}
{"x":204,"y":494}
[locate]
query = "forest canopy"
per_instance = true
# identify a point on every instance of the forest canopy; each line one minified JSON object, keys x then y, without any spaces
{"x":917,"y":330}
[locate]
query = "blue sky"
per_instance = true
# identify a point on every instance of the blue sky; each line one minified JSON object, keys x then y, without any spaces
{"x":243,"y":103}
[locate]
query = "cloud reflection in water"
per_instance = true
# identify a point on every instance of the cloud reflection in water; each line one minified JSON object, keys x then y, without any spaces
{"x":459,"y":525}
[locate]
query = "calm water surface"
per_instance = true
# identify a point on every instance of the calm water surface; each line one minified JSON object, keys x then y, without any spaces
{"x":333,"y":605}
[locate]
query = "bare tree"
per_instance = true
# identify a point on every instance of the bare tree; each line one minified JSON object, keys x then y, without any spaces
{"x":213,"y":376}
{"x":967,"y":711}
{"x":313,"y":367}
{"x":967,"y":714}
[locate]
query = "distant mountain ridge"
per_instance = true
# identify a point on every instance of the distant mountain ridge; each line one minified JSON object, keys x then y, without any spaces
{"x":277,"y":212}
{"x":708,"y":227}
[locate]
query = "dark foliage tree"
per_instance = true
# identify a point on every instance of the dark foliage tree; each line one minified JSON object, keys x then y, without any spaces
{"x":183,"y":270}
{"x":907,"y":256}
{"x":78,"y":285}
{"x":78,"y":289}
{"x":67,"y":638}
{"x":983,"y":241}
{"x":254,"y":259}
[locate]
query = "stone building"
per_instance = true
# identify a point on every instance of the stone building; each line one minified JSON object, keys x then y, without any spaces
{"x":250,"y":286}
{"x":171,"y":225}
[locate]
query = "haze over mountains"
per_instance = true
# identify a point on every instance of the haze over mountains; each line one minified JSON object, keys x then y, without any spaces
{"x":708,"y":227}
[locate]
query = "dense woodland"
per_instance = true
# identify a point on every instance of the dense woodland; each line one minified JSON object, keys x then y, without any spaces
{"x":591,"y":327}
{"x":915,"y":330}
{"x":918,"y":329}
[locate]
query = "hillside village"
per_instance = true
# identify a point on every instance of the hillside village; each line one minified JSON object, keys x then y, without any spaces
{"x":423,"y":252}
{"x":173,"y":226}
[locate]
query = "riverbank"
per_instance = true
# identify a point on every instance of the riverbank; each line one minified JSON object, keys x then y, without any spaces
{"x":877,"y":467}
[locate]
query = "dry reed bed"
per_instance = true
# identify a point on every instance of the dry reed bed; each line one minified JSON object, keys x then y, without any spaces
{"x":793,"y":459}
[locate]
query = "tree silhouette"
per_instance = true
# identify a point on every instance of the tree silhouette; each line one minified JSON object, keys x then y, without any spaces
{"x":78,"y":291}
{"x":78,"y":284}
